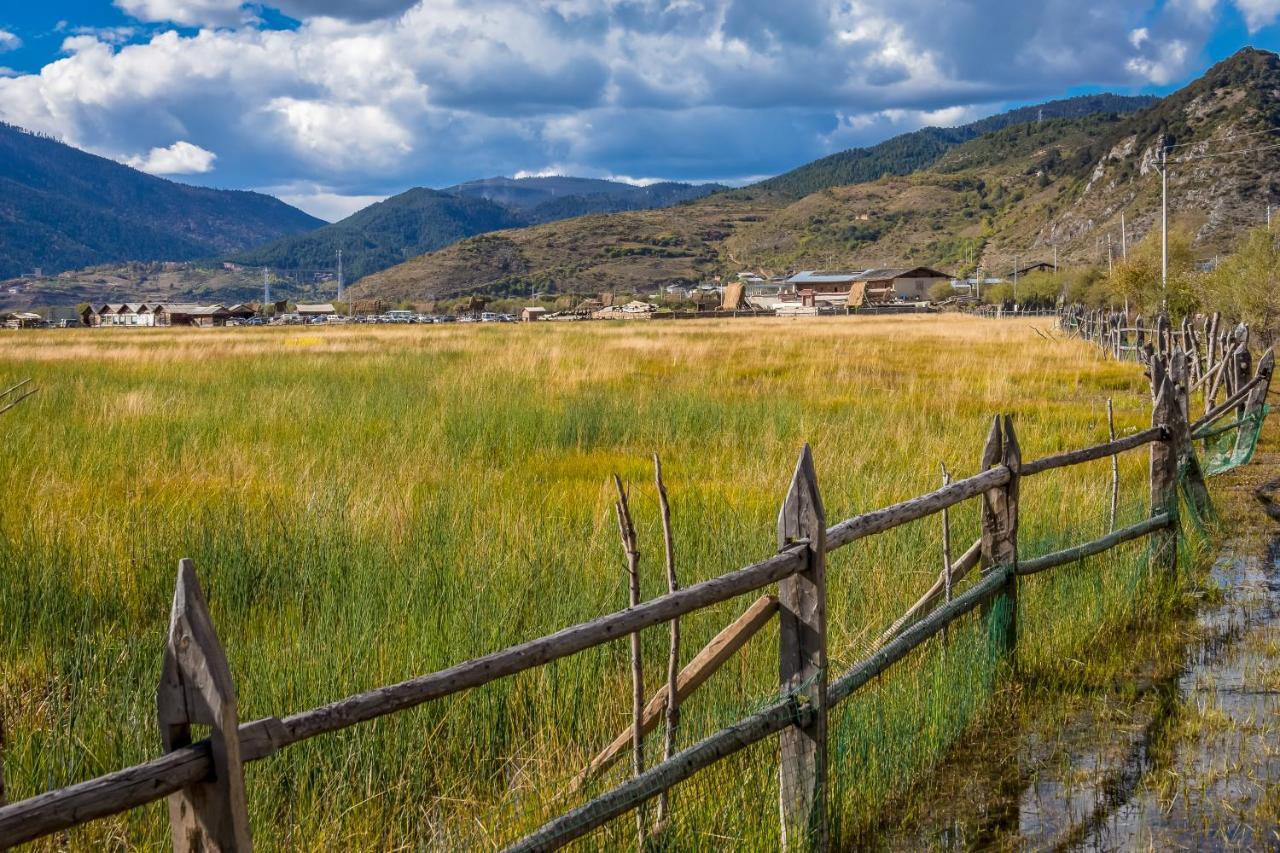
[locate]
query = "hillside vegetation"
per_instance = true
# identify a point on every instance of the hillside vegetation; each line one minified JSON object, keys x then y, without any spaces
{"x":547,"y":199}
{"x":624,"y":252}
{"x":423,"y":220}
{"x":62,"y":208}
{"x":385,"y":234}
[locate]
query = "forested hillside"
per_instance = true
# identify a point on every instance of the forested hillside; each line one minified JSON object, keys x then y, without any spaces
{"x":385,"y":234}
{"x":920,"y":149}
{"x":62,"y":208}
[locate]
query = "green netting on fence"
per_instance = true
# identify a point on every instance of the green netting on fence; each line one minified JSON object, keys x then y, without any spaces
{"x":1229,"y":442}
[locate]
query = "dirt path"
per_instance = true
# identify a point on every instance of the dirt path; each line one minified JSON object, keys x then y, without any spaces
{"x":1182,"y":752}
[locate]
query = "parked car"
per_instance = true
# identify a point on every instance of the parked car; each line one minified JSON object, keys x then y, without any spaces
{"x":256,"y":321}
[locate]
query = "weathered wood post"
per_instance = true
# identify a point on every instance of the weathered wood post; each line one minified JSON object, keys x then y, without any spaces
{"x":1211,"y":342}
{"x":802,"y":624}
{"x":1188,"y":466}
{"x":1178,"y":373}
{"x":673,"y":649}
{"x":627,"y":533}
{"x":1253,"y":408}
{"x":1115,"y":467}
{"x":1243,"y":363}
{"x":1164,"y":481}
{"x":1000,"y":533}
{"x":196,"y":687}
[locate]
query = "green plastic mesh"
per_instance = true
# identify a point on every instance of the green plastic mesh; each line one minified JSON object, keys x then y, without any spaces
{"x":1229,"y":442}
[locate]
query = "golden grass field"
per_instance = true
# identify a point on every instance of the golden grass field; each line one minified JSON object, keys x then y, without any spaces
{"x":368,"y":504}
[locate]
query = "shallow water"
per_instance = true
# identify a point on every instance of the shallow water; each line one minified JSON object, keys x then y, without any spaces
{"x":1190,"y":759}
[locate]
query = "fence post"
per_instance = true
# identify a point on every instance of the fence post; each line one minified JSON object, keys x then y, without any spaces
{"x":1178,"y":373}
{"x":1254,"y":405}
{"x":1188,"y":466}
{"x":1164,"y":480}
{"x":1000,"y":533}
{"x":802,"y":623}
{"x":196,"y":687}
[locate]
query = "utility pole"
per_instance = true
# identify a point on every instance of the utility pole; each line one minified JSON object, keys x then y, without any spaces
{"x":1055,"y":258}
{"x":339,"y":275}
{"x":1109,"y":264}
{"x":1268,"y":216}
{"x":266,"y":288}
{"x":1015,"y":279}
{"x":1164,"y":224}
{"x":1124,"y":240}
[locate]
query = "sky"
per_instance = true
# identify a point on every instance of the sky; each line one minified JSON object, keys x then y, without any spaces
{"x":333,"y":104}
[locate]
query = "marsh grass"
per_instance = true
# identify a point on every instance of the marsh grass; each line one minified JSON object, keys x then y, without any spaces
{"x":365,"y":505}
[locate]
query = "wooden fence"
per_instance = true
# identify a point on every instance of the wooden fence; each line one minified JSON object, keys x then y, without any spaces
{"x":204,"y":780}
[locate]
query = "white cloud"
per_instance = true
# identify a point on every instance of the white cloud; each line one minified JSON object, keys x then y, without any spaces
{"x":9,"y":41}
{"x":180,"y":158}
{"x":1258,"y":13}
{"x":551,"y":172}
{"x":371,"y":96}
{"x":1166,"y":64}
{"x":191,"y":13}
{"x":320,"y":202}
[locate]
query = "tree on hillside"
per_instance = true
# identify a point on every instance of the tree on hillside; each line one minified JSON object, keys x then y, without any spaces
{"x":1246,"y":286}
{"x":1137,"y":279}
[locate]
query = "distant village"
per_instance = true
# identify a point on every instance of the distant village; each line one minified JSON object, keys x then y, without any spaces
{"x":806,"y":293}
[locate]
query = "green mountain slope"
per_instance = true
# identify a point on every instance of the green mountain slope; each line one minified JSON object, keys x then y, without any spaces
{"x":61,"y":208}
{"x":920,"y":149}
{"x":385,"y":234}
{"x":424,"y":220}
{"x":619,"y":251}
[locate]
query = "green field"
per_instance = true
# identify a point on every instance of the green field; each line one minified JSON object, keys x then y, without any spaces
{"x":368,"y":504}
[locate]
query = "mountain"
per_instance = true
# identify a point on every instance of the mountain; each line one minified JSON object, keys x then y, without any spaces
{"x":62,"y":208}
{"x":625,"y":252}
{"x":552,"y":197}
{"x":920,"y":149}
{"x":424,"y":220}
{"x":1221,"y":132}
{"x":1031,"y":187}
{"x":385,"y":234}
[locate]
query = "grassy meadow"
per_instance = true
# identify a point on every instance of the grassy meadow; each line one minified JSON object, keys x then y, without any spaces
{"x":368,"y":504}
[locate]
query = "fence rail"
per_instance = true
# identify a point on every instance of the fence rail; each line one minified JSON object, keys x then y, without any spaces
{"x":204,"y":779}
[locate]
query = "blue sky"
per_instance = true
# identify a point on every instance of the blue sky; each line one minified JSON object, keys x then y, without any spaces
{"x":332,"y":104}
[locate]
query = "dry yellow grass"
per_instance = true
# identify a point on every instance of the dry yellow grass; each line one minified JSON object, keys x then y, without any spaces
{"x":383,"y":502}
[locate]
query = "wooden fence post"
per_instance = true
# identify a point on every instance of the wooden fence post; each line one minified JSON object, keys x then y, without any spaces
{"x":802,"y":766}
{"x":1188,"y":466}
{"x":1178,"y":373}
{"x":1164,"y":482}
{"x":196,"y":687}
{"x":1253,"y":406}
{"x":1000,"y":533}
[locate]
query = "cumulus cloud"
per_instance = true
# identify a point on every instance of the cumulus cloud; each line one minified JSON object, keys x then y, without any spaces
{"x":191,"y":13}
{"x":367,"y":97}
{"x":1258,"y":13}
{"x":322,"y":202}
{"x":9,"y":41}
{"x":180,"y":158}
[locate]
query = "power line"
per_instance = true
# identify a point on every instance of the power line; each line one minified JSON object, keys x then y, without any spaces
{"x":1228,"y":138}
{"x":1189,"y":157}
